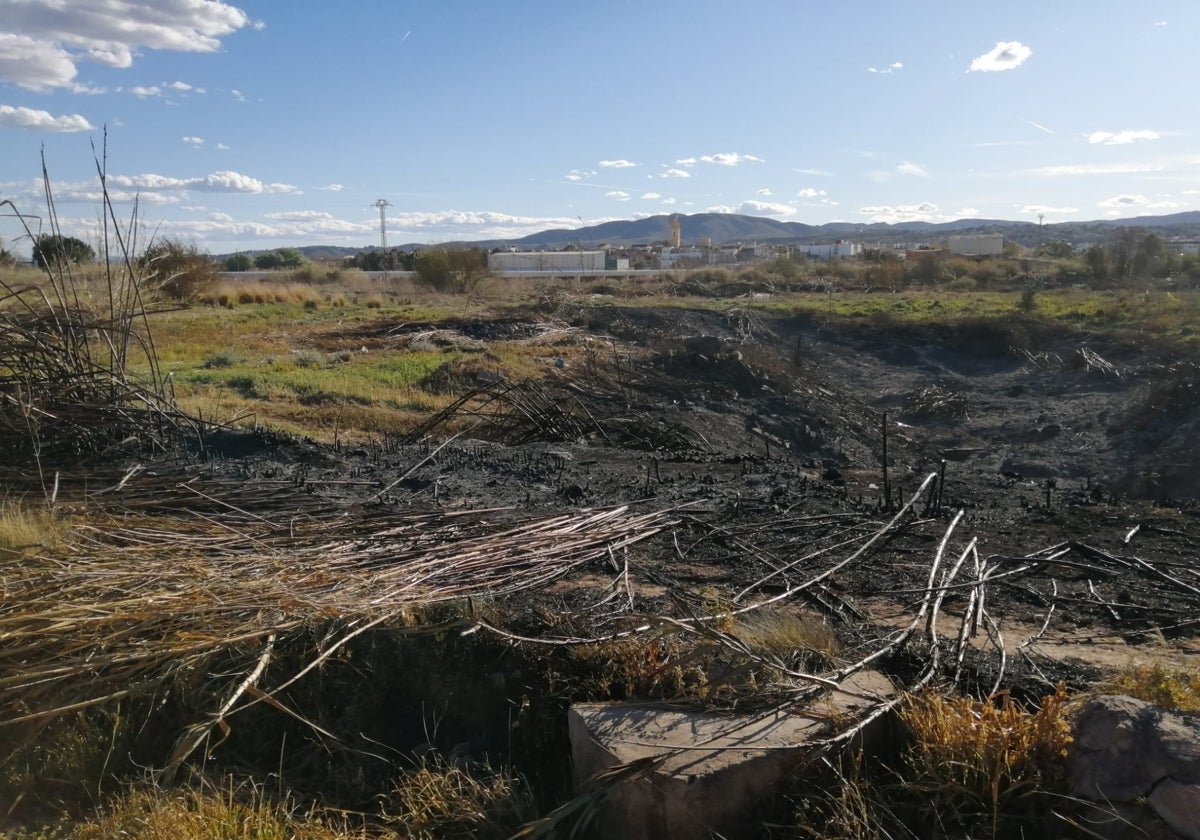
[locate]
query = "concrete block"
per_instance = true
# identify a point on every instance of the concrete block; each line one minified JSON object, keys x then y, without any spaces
{"x":723,"y":767}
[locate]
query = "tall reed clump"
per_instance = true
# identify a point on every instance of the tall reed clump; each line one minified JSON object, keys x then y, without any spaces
{"x":78,"y":372}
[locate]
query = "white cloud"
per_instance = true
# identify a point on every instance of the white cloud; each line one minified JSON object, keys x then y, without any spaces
{"x":1160,"y":23}
{"x":763,"y":192}
{"x":1042,"y":209}
{"x":1140,"y":202}
{"x":887,"y":71}
{"x":43,"y":43}
{"x":650,"y":196}
{"x":184,"y":87}
{"x":619,"y":195}
{"x":332,"y":188}
{"x":146,"y":92}
{"x":459,"y":224}
{"x":580,"y":174}
{"x":1121,"y":138}
{"x":810,"y":192}
{"x":217,"y":182}
{"x":924,"y":212}
{"x":195,"y":141}
{"x":967,"y":213}
{"x":730,"y":158}
{"x":222,"y":147}
{"x":17,"y":117}
{"x":756,"y":208}
{"x":686,"y":162}
{"x":820,"y":173}
{"x":298,"y":216}
{"x":616,"y":164}
{"x":220,"y":217}
{"x":668,"y":201}
{"x":1095,"y":169}
{"x":1006,"y":55}
{"x":34,"y":64}
{"x":904,"y":168}
{"x":676,"y":173}
{"x":238,"y":95}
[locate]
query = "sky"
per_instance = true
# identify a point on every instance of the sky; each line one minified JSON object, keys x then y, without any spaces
{"x":269,"y":123}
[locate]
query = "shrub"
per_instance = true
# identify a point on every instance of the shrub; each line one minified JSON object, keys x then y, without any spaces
{"x":310,"y":359}
{"x":451,"y":270}
{"x":178,"y":271}
{"x":53,"y":250}
{"x":223,"y":359}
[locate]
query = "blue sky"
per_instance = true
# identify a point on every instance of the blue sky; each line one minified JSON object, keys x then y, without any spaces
{"x":265,"y":123}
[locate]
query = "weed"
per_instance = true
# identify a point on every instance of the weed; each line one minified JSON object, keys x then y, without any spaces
{"x":148,"y":813}
{"x":1162,"y":685}
{"x":223,"y":359}
{"x":24,"y":529}
{"x":984,"y":763}
{"x":310,"y":359}
{"x":439,"y":800}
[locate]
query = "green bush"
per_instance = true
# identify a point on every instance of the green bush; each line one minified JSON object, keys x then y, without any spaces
{"x":177,"y":271}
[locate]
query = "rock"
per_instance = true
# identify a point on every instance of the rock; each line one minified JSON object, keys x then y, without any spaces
{"x":720,"y":767}
{"x":1126,"y":751}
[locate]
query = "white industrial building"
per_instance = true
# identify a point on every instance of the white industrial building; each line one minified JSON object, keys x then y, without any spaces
{"x":554,"y":262}
{"x":977,"y":245}
{"x":832,"y":250}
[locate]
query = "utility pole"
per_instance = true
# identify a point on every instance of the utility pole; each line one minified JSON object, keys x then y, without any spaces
{"x":382,"y":204}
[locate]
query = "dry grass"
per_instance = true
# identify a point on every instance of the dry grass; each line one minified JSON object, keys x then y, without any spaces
{"x":231,"y":813}
{"x":26,"y":529}
{"x":1160,"y":684}
{"x":230,"y":293}
{"x":794,"y":639}
{"x":439,"y":800}
{"x":981,"y":764}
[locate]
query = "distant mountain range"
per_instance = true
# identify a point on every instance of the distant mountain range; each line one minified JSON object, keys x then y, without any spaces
{"x":729,"y":228}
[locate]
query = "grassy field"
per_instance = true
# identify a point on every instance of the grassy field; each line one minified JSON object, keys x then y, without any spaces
{"x":352,"y":357}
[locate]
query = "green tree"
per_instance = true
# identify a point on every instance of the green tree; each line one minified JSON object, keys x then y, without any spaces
{"x":290,"y":258}
{"x":268,"y":260}
{"x":239,"y":262}
{"x":54,"y":250}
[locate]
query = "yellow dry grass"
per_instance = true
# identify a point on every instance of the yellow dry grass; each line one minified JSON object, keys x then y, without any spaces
{"x":981,"y":762}
{"x":1172,"y":687}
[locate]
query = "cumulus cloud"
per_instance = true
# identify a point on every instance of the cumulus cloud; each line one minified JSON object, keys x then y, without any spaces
{"x":220,"y":217}
{"x":755,"y":208}
{"x":729,"y":159}
{"x":810,"y":192}
{"x":1121,"y":138}
{"x":222,"y":147}
{"x":332,"y":188}
{"x":668,"y":201}
{"x":580,"y":174}
{"x":43,"y":43}
{"x":618,"y":195}
{"x":145,"y":92}
{"x":17,"y":117}
{"x":763,"y":192}
{"x":650,"y":196}
{"x":676,"y":173}
{"x":217,"y":182}
{"x":195,"y":141}
{"x":686,"y":162}
{"x":887,"y":71}
{"x":616,"y":164}
{"x":1006,"y":55}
